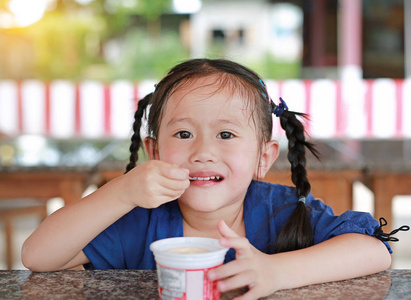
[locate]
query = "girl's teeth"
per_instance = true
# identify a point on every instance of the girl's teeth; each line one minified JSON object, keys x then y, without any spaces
{"x":204,"y":178}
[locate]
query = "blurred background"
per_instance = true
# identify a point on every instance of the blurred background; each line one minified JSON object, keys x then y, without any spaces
{"x":72,"y":72}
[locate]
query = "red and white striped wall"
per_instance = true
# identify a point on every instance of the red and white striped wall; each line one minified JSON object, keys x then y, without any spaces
{"x":378,"y":108}
{"x":63,"y":109}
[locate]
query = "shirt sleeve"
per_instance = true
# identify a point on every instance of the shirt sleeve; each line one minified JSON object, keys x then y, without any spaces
{"x":327,"y":225}
{"x":120,"y":245}
{"x":104,"y":251}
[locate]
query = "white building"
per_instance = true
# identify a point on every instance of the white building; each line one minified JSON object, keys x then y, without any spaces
{"x":246,"y":29}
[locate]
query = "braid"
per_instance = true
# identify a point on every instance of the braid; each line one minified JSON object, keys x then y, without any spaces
{"x":136,"y":142}
{"x":297,"y":233}
{"x":294,"y":131}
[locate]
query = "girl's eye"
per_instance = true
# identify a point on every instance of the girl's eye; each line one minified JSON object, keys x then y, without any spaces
{"x":184,"y":135}
{"x":225,"y":135}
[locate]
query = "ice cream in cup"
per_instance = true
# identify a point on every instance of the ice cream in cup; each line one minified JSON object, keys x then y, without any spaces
{"x":182,"y":266}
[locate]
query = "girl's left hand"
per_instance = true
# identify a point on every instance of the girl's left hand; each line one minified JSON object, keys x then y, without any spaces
{"x":251,"y":267}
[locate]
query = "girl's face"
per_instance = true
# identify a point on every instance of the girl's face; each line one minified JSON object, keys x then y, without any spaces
{"x":211,"y":133}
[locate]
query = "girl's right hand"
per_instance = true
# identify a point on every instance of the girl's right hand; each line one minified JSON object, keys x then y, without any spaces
{"x":154,"y":183}
{"x":58,"y":242}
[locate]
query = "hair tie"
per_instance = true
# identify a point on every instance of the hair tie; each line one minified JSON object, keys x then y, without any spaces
{"x":387,"y":237}
{"x":279,"y":109}
{"x":276,"y":109}
{"x":301,"y":199}
{"x":265,"y":94}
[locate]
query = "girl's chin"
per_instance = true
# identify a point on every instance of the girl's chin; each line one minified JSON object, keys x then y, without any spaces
{"x":203,"y":205}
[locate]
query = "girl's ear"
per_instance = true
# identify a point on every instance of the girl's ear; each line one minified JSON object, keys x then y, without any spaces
{"x":150,"y":147}
{"x":268,"y":156}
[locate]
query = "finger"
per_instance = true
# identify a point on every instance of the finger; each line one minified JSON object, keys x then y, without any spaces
{"x":160,"y":186}
{"x":226,"y":231}
{"x":227,"y":270}
{"x":241,"y":245}
{"x":240,"y":280}
{"x":162,"y":197}
{"x":174,"y":185}
{"x":176,"y":173}
{"x":232,"y":240}
{"x":169,"y":194}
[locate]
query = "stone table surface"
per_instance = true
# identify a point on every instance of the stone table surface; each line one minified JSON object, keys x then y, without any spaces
{"x":138,"y":284}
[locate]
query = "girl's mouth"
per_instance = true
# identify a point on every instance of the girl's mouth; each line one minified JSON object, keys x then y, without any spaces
{"x":209,"y":178}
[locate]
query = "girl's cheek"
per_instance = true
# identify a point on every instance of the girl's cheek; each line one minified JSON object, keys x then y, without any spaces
{"x":172,"y":155}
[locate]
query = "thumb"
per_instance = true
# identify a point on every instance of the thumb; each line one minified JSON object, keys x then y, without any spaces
{"x":232,"y":240}
{"x":226,"y":231}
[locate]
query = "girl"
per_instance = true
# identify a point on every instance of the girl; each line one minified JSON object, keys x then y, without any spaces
{"x":209,"y":134}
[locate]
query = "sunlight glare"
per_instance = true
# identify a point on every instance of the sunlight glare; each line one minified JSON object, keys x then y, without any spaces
{"x":27,"y":12}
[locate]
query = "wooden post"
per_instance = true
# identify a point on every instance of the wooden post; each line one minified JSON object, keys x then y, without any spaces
{"x":350,"y":39}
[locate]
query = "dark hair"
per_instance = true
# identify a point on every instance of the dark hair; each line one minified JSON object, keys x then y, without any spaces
{"x":297,"y":232}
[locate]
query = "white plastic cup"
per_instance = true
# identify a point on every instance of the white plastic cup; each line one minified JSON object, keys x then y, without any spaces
{"x":184,"y":275}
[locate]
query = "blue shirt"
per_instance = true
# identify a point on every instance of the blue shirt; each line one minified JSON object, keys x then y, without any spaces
{"x":125,"y":244}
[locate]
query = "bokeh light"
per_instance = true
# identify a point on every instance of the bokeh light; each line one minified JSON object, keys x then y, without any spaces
{"x":25,"y":12}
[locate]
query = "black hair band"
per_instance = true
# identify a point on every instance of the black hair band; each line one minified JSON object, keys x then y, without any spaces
{"x":387,"y":237}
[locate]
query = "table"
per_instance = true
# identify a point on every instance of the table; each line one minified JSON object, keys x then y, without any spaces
{"x":68,"y":183}
{"x":138,"y":284}
{"x":25,"y":185}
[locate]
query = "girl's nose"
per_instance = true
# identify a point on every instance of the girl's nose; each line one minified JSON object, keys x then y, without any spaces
{"x":203,"y":151}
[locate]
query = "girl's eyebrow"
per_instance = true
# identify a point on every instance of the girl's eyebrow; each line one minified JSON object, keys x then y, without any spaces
{"x":231,"y":121}
{"x":178,"y":120}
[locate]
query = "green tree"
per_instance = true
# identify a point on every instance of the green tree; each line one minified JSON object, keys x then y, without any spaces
{"x":151,"y":11}
{"x":119,"y":13}
{"x":65,"y":44}
{"x":69,"y":41}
